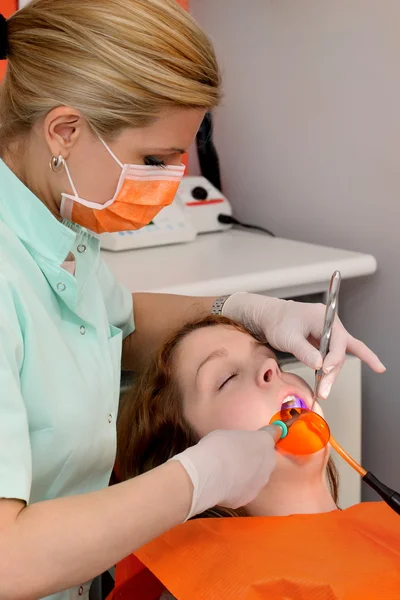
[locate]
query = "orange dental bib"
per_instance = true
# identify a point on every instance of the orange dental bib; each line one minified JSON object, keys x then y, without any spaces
{"x":343,"y":555}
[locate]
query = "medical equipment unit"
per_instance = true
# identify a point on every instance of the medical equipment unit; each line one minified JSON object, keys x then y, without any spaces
{"x":305,"y":431}
{"x":195,"y":210}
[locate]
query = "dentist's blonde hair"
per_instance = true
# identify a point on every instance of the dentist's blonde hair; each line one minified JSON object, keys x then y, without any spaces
{"x":119,"y":62}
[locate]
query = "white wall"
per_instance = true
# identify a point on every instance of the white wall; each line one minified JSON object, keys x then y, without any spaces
{"x":309,"y":141}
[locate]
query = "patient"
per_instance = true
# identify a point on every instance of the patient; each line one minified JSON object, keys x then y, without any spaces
{"x":213,"y":374}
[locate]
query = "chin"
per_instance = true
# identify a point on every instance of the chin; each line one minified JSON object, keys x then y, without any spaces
{"x":304,"y":463}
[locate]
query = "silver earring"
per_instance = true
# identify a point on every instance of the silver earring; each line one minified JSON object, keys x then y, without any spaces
{"x":57,"y":163}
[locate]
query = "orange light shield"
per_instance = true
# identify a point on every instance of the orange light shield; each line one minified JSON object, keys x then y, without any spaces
{"x":307,"y":433}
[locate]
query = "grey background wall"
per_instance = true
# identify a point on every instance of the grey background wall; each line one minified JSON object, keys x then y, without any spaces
{"x":309,"y":141}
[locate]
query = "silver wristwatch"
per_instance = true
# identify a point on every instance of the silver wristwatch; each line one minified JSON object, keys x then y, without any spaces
{"x":218,"y":305}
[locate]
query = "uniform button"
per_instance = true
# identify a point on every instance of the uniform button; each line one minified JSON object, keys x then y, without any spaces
{"x":81,"y":248}
{"x":61,"y":286}
{"x":80,"y":591}
{"x":82,"y":329}
{"x":110,"y":418}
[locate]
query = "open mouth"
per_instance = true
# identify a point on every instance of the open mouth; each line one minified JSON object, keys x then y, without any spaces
{"x":293,"y":401}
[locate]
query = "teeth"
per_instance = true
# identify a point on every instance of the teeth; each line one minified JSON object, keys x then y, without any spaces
{"x":293,"y":401}
{"x":290,"y":398}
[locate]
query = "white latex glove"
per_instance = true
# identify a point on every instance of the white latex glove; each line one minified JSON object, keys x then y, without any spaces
{"x":296,"y":327}
{"x":229,"y":468}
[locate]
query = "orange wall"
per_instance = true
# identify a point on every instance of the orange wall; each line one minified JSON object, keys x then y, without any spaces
{"x":7,"y":7}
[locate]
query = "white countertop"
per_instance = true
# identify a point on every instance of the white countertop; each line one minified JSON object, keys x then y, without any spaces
{"x":233,"y":260}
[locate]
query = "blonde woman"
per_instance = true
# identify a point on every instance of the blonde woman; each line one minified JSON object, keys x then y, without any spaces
{"x":99,"y":102}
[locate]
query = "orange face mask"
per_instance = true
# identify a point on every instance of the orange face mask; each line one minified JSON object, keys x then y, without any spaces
{"x":142,"y":191}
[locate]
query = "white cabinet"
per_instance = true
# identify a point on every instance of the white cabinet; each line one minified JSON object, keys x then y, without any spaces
{"x":342,"y":411}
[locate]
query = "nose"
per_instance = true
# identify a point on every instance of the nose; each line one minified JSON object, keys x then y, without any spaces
{"x":269,"y":371}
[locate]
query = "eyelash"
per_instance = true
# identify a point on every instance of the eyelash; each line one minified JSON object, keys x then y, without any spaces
{"x":152,"y":161}
{"x":231,"y":376}
{"x":236,"y":373}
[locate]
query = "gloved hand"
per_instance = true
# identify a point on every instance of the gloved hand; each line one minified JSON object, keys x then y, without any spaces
{"x":229,"y":468}
{"x":296,"y":327}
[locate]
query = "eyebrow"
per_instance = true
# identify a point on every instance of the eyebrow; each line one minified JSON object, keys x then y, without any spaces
{"x":223,"y":353}
{"x":166,"y":150}
{"x":220,"y":353}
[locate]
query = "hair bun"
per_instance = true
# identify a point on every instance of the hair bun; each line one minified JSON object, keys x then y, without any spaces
{"x":3,"y":38}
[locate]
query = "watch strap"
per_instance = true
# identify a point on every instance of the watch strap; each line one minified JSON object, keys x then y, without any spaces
{"x":218,"y":305}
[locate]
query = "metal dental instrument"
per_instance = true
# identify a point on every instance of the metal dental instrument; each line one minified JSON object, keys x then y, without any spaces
{"x":330,"y":314}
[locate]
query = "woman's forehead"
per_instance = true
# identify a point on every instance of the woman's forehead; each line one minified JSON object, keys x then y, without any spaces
{"x":197,"y":344}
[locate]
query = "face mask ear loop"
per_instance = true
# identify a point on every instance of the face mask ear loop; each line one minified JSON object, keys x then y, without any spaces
{"x":70,"y":180}
{"x":111,"y":153}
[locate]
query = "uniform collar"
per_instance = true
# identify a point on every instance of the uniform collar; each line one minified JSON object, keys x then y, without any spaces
{"x":31,"y":221}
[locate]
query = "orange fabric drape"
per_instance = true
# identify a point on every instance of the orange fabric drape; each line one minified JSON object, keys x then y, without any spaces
{"x":352,"y":554}
{"x":7,"y":7}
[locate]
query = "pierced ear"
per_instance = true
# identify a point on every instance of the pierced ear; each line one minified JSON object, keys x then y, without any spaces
{"x":62,"y":127}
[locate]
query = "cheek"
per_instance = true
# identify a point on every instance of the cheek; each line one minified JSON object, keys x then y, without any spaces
{"x":175,"y":160}
{"x":231,"y":412}
{"x":94,"y":173}
{"x":318,"y":409}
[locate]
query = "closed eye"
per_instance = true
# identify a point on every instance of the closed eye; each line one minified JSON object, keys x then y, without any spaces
{"x":232,"y":376}
{"x":152,"y":161}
